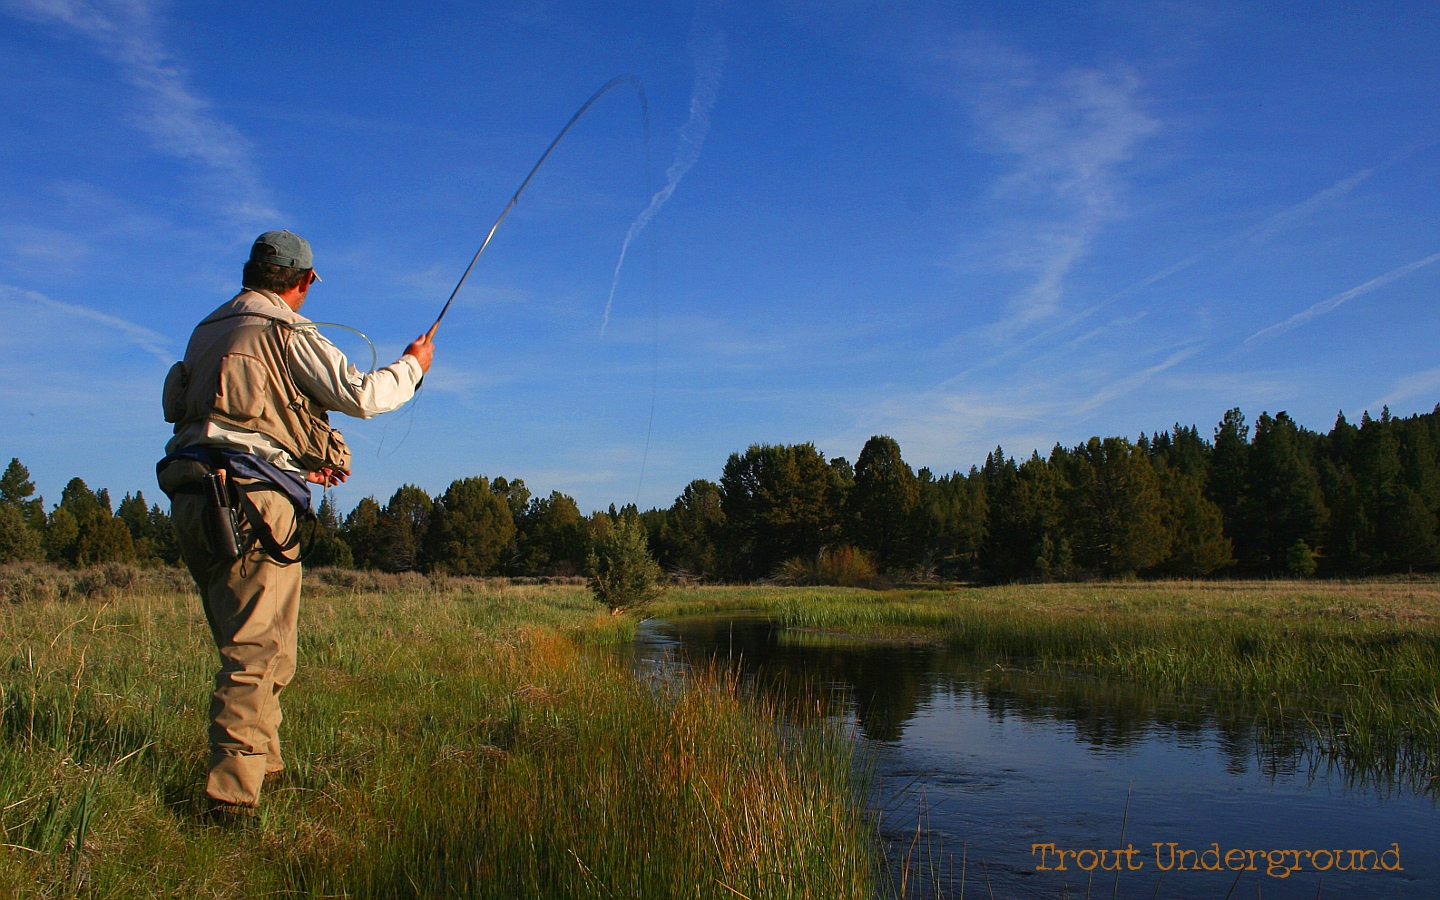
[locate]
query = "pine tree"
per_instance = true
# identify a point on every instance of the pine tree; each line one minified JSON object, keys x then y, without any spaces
{"x":1120,"y":512}
{"x":779,"y":502}
{"x":62,"y":532}
{"x":693,"y":529}
{"x":328,"y":549}
{"x":954,"y":510}
{"x":1300,"y":560}
{"x":16,"y":492}
{"x":18,"y":541}
{"x":1283,"y":502}
{"x":469,"y":527}
{"x":135,"y":513}
{"x":517,"y":497}
{"x":22,"y":520}
{"x":1007,"y":551}
{"x":622,"y":572}
{"x":555,"y":537}
{"x":1228,"y":474}
{"x":881,"y":507}
{"x":1347,"y":536}
{"x":1198,"y":545}
{"x":362,"y":533}
{"x":82,"y":531}
{"x":402,"y":530}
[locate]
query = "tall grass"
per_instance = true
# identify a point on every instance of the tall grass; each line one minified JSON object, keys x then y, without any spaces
{"x":447,"y":737}
{"x":1357,"y":666}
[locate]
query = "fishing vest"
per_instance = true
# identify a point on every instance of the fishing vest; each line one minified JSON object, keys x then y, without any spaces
{"x":236,"y":373}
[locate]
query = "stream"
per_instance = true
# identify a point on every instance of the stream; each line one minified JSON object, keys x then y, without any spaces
{"x":997,"y":782}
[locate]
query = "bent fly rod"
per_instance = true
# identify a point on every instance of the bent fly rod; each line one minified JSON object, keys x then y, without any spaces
{"x":605,"y":88}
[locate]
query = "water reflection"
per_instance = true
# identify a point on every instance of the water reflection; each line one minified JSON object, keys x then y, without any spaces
{"x":994,"y":760}
{"x":883,"y":685}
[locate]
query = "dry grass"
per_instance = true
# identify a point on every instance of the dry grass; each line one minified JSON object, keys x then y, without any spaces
{"x":448,"y":737}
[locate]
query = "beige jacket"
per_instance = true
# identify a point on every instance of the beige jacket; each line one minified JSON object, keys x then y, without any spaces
{"x":319,"y":370}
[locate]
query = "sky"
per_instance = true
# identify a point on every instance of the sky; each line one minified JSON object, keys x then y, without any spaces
{"x":962,"y":225}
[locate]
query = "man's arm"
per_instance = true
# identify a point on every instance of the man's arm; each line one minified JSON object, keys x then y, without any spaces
{"x":328,"y":378}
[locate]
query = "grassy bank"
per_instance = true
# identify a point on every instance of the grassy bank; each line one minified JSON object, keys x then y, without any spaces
{"x":445,"y":737}
{"x":1356,"y":665}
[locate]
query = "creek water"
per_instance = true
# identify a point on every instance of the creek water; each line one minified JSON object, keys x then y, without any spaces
{"x":978,"y":767}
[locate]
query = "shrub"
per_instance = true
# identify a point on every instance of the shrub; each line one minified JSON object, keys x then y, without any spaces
{"x":843,"y":566}
{"x":622,"y":571}
{"x":1300,"y":560}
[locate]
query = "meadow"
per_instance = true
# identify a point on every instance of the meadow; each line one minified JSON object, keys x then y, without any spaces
{"x":446,"y":737}
{"x":476,"y":738}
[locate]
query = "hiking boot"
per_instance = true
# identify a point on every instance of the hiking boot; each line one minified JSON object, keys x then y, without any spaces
{"x":231,"y":816}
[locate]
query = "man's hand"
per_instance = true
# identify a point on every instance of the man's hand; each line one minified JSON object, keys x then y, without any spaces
{"x":327,"y":477}
{"x":423,"y":349}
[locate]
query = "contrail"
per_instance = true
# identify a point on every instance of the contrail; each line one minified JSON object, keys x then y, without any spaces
{"x":707,"y":45}
{"x":1324,"y":306}
{"x":152,"y":342}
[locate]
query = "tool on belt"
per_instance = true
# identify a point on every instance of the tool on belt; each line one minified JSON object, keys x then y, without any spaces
{"x":222,"y":524}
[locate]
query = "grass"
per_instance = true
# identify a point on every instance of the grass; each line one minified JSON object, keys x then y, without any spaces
{"x":446,"y":738}
{"x":1354,"y":667}
{"x":461,"y":737}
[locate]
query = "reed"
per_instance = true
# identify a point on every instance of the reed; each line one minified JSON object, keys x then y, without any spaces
{"x":446,"y":737}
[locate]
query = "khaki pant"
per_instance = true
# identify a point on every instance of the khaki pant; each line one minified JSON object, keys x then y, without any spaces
{"x":253,"y":606}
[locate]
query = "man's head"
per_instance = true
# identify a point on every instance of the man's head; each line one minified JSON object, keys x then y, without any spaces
{"x":280,"y":261}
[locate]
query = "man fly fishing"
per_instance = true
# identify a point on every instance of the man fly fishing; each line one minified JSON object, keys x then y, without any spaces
{"x":249,"y":403}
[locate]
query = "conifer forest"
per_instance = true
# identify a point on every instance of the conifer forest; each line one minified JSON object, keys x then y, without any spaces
{"x":1250,"y":499}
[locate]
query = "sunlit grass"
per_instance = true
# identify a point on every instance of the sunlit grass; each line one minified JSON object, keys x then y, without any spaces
{"x":446,"y":738}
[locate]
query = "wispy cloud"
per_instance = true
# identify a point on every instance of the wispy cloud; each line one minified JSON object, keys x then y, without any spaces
{"x":1131,"y":383}
{"x":1331,"y":303}
{"x":1286,"y":218}
{"x":1067,"y":138}
{"x":1408,"y":387}
{"x":1270,"y":226}
{"x":178,"y":120}
{"x":1031,"y":410}
{"x":20,"y":300}
{"x":455,"y":379}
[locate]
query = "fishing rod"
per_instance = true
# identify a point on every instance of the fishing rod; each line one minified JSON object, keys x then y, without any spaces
{"x":605,"y":88}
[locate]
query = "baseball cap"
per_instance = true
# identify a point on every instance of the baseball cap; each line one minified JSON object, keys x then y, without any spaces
{"x":283,"y":248}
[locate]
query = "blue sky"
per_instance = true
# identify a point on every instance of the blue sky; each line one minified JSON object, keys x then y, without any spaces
{"x":961,"y":225}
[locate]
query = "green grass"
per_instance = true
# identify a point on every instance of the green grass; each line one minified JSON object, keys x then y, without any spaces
{"x":446,"y":738}
{"x":1355,"y":666}
{"x":460,"y":737}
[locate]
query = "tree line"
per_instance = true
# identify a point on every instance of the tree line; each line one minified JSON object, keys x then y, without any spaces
{"x":1277,"y":499}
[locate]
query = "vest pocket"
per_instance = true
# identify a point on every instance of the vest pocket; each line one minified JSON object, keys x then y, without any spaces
{"x":240,"y":391}
{"x":172,"y":398}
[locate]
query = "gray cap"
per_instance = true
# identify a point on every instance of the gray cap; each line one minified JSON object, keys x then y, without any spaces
{"x":283,"y":248}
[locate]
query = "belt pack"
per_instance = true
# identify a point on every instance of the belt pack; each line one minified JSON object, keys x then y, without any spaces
{"x":229,"y":508}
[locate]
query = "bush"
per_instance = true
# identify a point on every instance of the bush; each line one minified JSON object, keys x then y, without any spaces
{"x":1300,"y":560}
{"x":622,"y":571}
{"x":842,"y":566}
{"x":43,"y":582}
